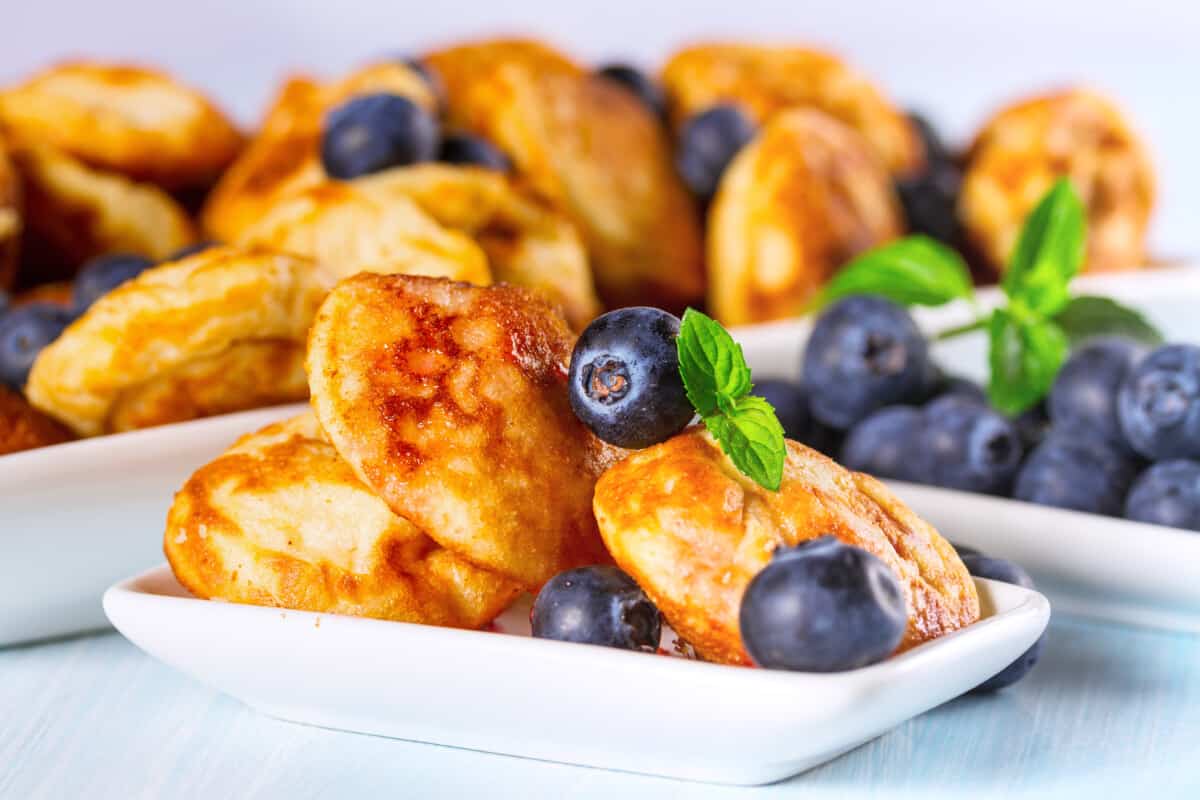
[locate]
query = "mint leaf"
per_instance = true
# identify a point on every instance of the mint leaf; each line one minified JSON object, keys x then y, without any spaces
{"x":753,"y":439}
{"x":712,"y":365}
{"x":915,"y":270}
{"x":1086,"y":316}
{"x":1025,"y":353}
{"x":1049,"y":251}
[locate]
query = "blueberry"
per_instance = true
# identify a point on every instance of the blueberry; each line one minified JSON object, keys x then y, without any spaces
{"x":193,"y":249}
{"x":964,"y":550}
{"x":1085,"y":391}
{"x":5,"y":301}
{"x":24,"y":332}
{"x":596,"y":605}
{"x":939,"y":383}
{"x":1033,"y":425}
{"x":790,"y":402}
{"x":707,"y":143}
{"x":822,"y":607}
{"x":998,"y":569}
{"x":883,"y":444}
{"x":864,"y":353}
{"x":930,"y":198}
{"x":101,"y":275}
{"x":937,"y":154}
{"x":637,"y":82}
{"x":1072,"y":470}
{"x":372,"y":132}
{"x":1167,"y":493}
{"x":1158,"y":404}
{"x":624,"y":378}
{"x":961,"y":444}
{"x":463,"y":148}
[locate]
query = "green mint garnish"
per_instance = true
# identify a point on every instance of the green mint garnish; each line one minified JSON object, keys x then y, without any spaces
{"x":1029,"y":338}
{"x":717,"y":381}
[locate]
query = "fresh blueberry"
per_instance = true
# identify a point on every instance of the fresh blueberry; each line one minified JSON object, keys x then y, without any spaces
{"x":101,"y":275}
{"x":937,"y":154}
{"x":707,"y":143}
{"x":463,"y":148}
{"x":24,"y":332}
{"x":637,"y":82}
{"x":5,"y":301}
{"x":822,"y":606}
{"x":964,"y":445}
{"x":1033,"y":425}
{"x":1085,"y":392}
{"x":1076,"y":471}
{"x":1159,"y":403}
{"x":929,"y":198}
{"x":998,"y":569}
{"x":939,"y":383}
{"x":964,"y":550}
{"x":883,"y":444}
{"x":790,"y":402}
{"x":1167,"y":493}
{"x":596,"y":605}
{"x":193,"y":249}
{"x":372,"y":132}
{"x":864,"y":353}
{"x":624,"y":378}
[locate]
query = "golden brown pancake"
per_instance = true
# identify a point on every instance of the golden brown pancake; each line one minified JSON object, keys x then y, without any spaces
{"x":222,"y":330}
{"x":763,"y":79}
{"x":75,"y":212}
{"x":463,"y":223}
{"x":10,"y":219}
{"x":284,"y":156}
{"x":799,"y":201}
{"x":450,"y":402}
{"x":1024,"y":148}
{"x":593,"y":150}
{"x":23,"y":427}
{"x":118,"y":118}
{"x":281,"y":520}
{"x":692,"y":531}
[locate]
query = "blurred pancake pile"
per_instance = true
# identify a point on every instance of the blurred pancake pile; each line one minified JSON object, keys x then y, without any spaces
{"x":157,"y":264}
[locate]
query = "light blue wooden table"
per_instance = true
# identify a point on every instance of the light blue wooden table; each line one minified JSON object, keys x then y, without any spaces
{"x":1110,"y":712}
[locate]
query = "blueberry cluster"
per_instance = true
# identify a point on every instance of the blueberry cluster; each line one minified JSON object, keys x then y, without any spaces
{"x":1119,"y":433}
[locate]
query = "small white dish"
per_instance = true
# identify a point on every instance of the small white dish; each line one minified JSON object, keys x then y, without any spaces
{"x":505,"y":692}
{"x":76,"y":517}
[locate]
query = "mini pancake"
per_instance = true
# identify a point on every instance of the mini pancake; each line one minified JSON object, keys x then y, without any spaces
{"x":10,"y":219}
{"x":284,"y":156}
{"x":439,"y":220}
{"x":1024,"y":148}
{"x":281,"y":520}
{"x":450,"y":402}
{"x":763,"y":79}
{"x":125,"y":119}
{"x":23,"y":427}
{"x":693,"y":531}
{"x":593,"y":150}
{"x":799,"y":201}
{"x":74,"y":213}
{"x":222,"y":330}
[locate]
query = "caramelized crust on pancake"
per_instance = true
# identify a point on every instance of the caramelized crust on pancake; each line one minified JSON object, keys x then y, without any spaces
{"x":765,"y":79}
{"x":450,"y":402}
{"x":281,"y":520}
{"x":692,"y":531}
{"x":134,"y":121}
{"x":593,"y":150}
{"x":412,"y":220}
{"x":74,"y":213}
{"x":145,"y":351}
{"x":798,"y":202}
{"x":23,"y":427}
{"x":10,"y":219}
{"x":1022,"y":150}
{"x":284,"y":156}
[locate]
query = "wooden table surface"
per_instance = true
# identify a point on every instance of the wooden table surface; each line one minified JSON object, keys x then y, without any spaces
{"x":1110,"y":712}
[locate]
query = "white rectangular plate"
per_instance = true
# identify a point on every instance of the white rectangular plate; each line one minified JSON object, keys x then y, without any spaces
{"x":76,"y":517}
{"x":1090,"y":565}
{"x":504,"y":692}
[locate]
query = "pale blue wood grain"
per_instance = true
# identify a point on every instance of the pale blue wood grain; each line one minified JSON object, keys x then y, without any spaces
{"x":1111,"y":712}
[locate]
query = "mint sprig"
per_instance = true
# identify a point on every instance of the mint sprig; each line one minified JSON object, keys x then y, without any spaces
{"x":717,"y":381}
{"x":1029,"y":337}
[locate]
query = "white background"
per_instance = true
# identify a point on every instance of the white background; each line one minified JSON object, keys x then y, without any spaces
{"x":956,"y":59}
